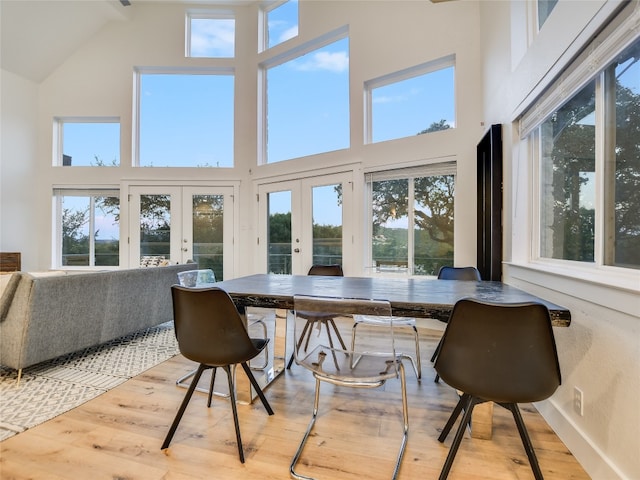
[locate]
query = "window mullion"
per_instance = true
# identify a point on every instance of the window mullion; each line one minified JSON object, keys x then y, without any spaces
{"x":92,"y":229}
{"x":411,"y":226}
{"x":605,"y":168}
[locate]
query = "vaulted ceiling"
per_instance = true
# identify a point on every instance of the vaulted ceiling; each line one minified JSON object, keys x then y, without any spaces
{"x":36,"y":36}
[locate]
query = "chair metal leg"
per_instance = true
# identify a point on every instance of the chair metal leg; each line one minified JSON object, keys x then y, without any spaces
{"x":306,"y":333}
{"x":312,"y":422}
{"x":314,"y":416}
{"x":469,"y":404}
{"x":234,"y":408}
{"x":405,"y":419}
{"x":526,"y":441}
{"x":418,"y":364}
{"x":183,"y":406}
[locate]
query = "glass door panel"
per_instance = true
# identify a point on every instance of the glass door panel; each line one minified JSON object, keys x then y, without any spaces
{"x":390,"y":242}
{"x":207,"y":215}
{"x":303,"y":222}
{"x":279,"y":246}
{"x":155,"y":226}
{"x":327,"y":224}
{"x":179,"y":224}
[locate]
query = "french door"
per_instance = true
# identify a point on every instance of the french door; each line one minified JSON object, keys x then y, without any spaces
{"x":180,"y":223}
{"x":305,"y":222}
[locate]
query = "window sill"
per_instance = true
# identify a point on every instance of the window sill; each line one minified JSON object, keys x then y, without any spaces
{"x":613,"y":288}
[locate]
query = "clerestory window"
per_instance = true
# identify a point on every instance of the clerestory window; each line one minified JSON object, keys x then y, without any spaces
{"x":185,"y":119}
{"x":414,"y":101}
{"x":210,"y":34}
{"x":86,"y":141}
{"x":305,"y":100}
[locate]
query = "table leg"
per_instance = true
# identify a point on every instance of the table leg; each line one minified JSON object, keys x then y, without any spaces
{"x":482,"y":421}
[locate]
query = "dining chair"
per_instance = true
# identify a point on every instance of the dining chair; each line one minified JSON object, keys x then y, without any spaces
{"x":211,"y":332}
{"x":370,"y":366}
{"x":206,"y":278}
{"x":502,"y":353}
{"x":471,"y":274}
{"x":321,"y":319}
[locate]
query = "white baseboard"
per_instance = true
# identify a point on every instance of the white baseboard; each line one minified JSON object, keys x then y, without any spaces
{"x":592,"y":459}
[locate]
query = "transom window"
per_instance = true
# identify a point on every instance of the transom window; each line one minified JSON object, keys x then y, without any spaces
{"x":280,"y":23}
{"x":87,"y":142}
{"x":186,"y":119}
{"x":412,"y":218}
{"x":210,"y":34}
{"x":88,"y":227}
{"x":411,"y":102}
{"x":306,"y":101}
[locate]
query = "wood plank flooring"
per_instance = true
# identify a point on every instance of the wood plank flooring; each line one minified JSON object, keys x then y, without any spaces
{"x":117,"y":436}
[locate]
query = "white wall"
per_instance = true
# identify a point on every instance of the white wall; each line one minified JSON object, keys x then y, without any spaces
{"x":600,"y":352}
{"x":97,"y":80}
{"x":19,"y":197}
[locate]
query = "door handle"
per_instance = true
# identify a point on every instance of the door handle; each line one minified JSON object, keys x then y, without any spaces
{"x":296,"y":250}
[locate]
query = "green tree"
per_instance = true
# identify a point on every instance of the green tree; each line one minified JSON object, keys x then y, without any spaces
{"x":436,"y":127}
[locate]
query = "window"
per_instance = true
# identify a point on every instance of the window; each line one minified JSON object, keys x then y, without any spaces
{"x":307,"y":103}
{"x":281,"y":23}
{"x":88,"y":227}
{"x":185,"y":119}
{"x":210,"y":34}
{"x":544,"y":10}
{"x":588,"y":154}
{"x":412,"y":102}
{"x":87,"y":142}
{"x":412,"y":218}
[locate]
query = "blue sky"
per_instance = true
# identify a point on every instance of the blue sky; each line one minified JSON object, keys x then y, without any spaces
{"x":188,"y":119}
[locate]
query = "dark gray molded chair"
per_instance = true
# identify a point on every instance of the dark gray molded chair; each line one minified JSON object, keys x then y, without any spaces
{"x":369,"y":367}
{"x":502,"y":353}
{"x":325,"y":319}
{"x":210,"y":331}
{"x":471,"y":274}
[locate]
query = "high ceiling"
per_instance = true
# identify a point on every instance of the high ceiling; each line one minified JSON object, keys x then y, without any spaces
{"x":36,"y":36}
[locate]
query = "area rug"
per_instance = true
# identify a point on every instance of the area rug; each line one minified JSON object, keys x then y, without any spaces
{"x":54,"y":387}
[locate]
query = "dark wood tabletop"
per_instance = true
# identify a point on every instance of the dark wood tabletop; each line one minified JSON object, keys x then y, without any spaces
{"x":409,"y":297}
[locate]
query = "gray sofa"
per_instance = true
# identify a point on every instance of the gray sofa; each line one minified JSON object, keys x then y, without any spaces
{"x":43,"y":317}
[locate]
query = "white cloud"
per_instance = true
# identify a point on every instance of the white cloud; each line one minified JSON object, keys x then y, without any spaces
{"x":213,"y":38}
{"x":288,"y":33}
{"x":333,"y":62}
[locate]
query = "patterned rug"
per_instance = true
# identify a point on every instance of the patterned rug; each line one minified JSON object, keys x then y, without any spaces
{"x":54,"y":387}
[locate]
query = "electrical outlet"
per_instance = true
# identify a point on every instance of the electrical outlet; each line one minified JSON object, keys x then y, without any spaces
{"x":578,"y":401}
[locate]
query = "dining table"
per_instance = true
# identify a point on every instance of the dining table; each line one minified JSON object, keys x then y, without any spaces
{"x":418,"y":297}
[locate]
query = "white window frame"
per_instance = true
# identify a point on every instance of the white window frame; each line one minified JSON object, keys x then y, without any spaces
{"x":276,"y":60}
{"x":434,"y":169}
{"x":263,"y":22}
{"x":92,"y":192}
{"x":138,"y":72}
{"x":395,"y":77}
{"x":589,"y":64}
{"x":199,"y":14}
{"x":58,"y":135}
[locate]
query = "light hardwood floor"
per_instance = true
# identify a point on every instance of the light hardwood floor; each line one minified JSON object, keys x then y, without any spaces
{"x":118,"y":435}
